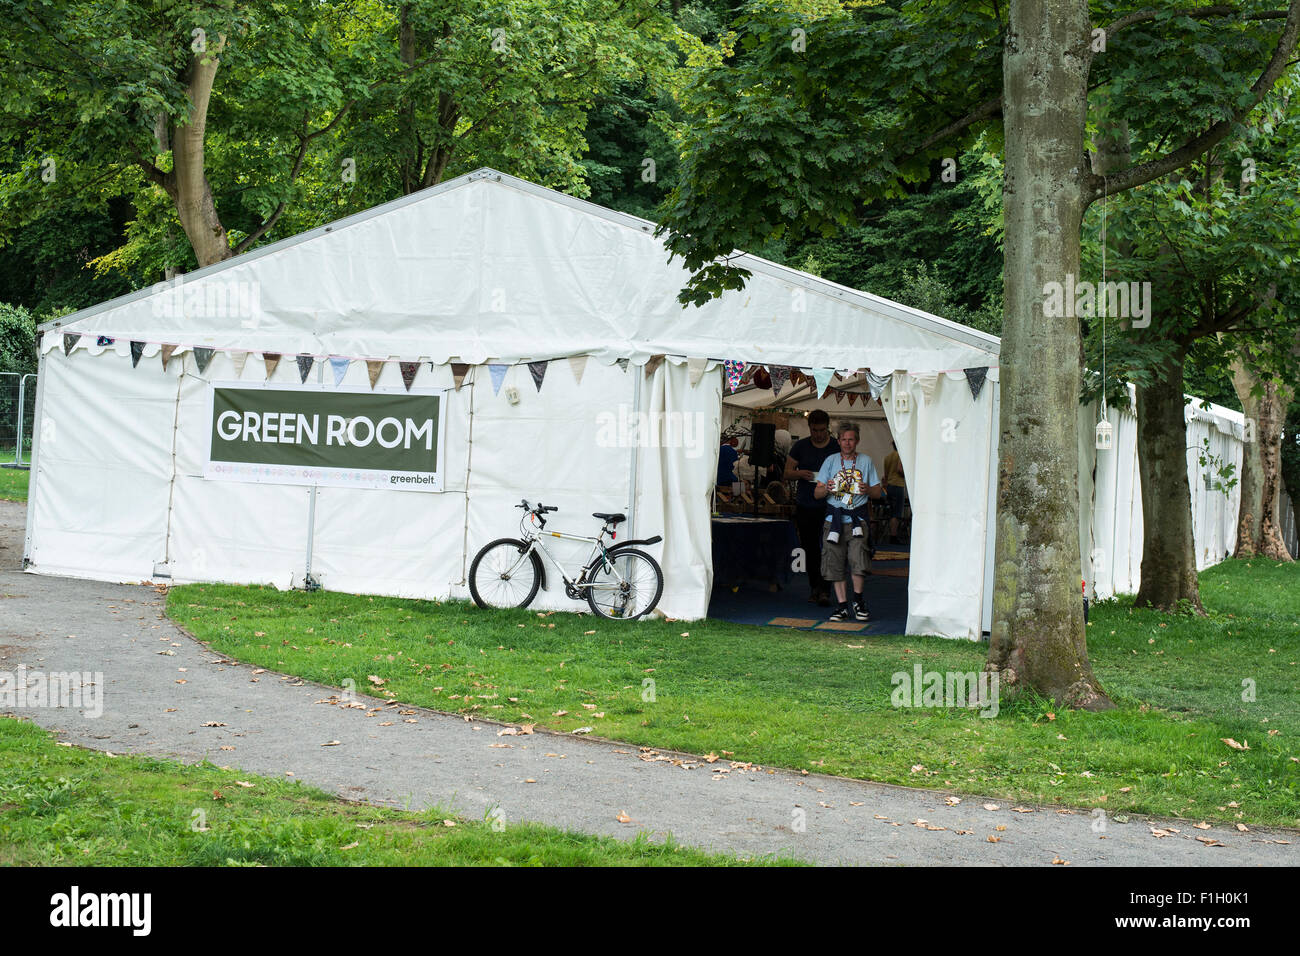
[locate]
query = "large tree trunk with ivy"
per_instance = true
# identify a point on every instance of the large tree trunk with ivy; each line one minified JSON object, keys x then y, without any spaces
{"x":1038,"y":632}
{"x":1168,"y":545}
{"x":1259,"y":515}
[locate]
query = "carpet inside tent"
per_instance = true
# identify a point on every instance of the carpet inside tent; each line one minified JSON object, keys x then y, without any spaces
{"x":885,"y":589}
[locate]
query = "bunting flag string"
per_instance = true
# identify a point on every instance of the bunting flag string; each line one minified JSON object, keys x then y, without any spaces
{"x":498,"y":373}
{"x":202,"y":357}
{"x":734,"y":369}
{"x":305,"y":362}
{"x":166,"y":355}
{"x":272,"y":360}
{"x":137,"y":349}
{"x":538,"y":371}
{"x":240,"y":359}
{"x":340,"y":368}
{"x":695,"y":370}
{"x":458,"y":372}
{"x":975,"y":379}
{"x":374,"y":367}
{"x":577,"y":365}
{"x":408,"y":373}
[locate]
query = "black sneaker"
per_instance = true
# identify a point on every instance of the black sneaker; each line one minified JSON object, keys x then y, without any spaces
{"x":860,"y":612}
{"x":841,"y":613}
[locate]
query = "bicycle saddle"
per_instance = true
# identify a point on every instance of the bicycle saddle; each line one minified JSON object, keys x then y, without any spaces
{"x":612,"y":519}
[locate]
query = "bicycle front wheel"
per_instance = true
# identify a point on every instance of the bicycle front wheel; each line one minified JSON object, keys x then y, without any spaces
{"x":505,"y":574}
{"x":626,"y":587}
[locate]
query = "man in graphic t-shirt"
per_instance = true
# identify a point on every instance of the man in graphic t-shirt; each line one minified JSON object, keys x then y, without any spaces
{"x":803,"y":462}
{"x":852,"y":479}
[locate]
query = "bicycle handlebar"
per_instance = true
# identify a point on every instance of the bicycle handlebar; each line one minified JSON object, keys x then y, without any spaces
{"x":541,"y":509}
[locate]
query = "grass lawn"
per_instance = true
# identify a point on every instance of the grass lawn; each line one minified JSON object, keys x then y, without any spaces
{"x":822,"y":701}
{"x":13,"y":482}
{"x":65,"y":806}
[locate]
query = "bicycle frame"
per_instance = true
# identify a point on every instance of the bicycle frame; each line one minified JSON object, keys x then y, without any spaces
{"x":533,"y":534}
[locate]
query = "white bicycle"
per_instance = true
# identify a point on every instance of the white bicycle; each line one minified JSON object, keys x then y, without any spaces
{"x":620,"y":582}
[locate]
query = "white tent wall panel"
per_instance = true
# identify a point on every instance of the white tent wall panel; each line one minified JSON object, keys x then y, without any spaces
{"x":99,"y":506}
{"x":675,"y":488}
{"x":550,"y":448}
{"x":947,"y":482}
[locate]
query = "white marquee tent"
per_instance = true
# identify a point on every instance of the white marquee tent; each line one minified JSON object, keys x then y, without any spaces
{"x":493,"y":273}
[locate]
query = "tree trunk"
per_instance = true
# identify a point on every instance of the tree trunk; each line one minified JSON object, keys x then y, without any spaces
{"x":188,"y":181}
{"x":1251,"y":481}
{"x":1038,"y":633}
{"x":1168,"y":545}
{"x":1272,"y":413}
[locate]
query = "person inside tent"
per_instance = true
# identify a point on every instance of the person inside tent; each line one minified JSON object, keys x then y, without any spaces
{"x":855,"y":472}
{"x":727,"y":458}
{"x":803,"y":462}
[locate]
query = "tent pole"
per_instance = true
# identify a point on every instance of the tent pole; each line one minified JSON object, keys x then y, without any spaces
{"x":991,"y":513}
{"x":308,"y":582}
{"x":632,"y":481}
{"x":171,"y":485}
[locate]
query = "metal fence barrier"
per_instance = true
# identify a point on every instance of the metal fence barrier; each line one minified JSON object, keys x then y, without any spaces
{"x":17,"y":418}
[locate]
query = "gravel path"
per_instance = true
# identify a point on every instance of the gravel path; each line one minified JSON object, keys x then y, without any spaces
{"x":160,"y":687}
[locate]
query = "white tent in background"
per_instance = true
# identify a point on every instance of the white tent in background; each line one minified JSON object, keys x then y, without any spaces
{"x":490,"y":272}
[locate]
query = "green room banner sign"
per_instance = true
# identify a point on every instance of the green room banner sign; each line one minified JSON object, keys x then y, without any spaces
{"x":313,"y":435}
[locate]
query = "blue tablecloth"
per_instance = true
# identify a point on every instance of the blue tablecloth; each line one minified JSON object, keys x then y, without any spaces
{"x":753,"y":552}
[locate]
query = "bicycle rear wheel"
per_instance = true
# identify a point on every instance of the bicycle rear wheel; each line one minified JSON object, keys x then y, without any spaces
{"x":627,"y":587}
{"x":504,"y":574}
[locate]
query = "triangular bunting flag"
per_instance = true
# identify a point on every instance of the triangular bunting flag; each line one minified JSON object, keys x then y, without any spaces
{"x":408,"y":373}
{"x":975,"y":379}
{"x":853,"y":397}
{"x":578,"y":365}
{"x":166,"y":355}
{"x":458,"y":372}
{"x":538,"y":371}
{"x":822,"y":378}
{"x":748,"y":375}
{"x":622,"y":363}
{"x":734,"y":369}
{"x":272,"y":360}
{"x":928,"y":381}
{"x":374,"y":367}
{"x":340,"y":369}
{"x":839,"y":396}
{"x":498,"y":373}
{"x":695,"y":370}
{"x":70,"y":342}
{"x":876,"y":383}
{"x":240,"y":359}
{"x":796,"y":377}
{"x":654,"y":362}
{"x":203,"y":358}
{"x":137,"y":349}
{"x":103,"y":340}
{"x":305,"y":362}
{"x":780,"y":375}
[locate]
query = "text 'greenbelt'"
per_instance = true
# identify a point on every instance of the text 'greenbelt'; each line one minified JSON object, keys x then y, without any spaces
{"x":294,"y":428}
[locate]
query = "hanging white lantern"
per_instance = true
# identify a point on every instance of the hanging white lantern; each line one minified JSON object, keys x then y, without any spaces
{"x":1105,"y":434}
{"x":902,"y":403}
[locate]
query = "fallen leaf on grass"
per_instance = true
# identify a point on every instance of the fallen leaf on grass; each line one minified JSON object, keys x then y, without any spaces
{"x":623,"y":817}
{"x":589,"y":706}
{"x":386,"y":723}
{"x":244,"y":783}
{"x":952,"y":801}
{"x":1125,"y":789}
{"x":1000,"y":827}
{"x":560,"y":713}
{"x":1234,"y":745}
{"x":991,"y":806}
{"x":994,"y":839}
{"x":332,"y":743}
{"x":1201,"y":826}
{"x":1210,"y":841}
{"x":350,"y":846}
{"x":1021,"y":810}
{"x":376,"y":680}
{"x":1242,"y":827}
{"x":582,"y":730}
{"x":587,"y":633}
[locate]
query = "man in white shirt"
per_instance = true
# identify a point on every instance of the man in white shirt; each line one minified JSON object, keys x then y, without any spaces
{"x":849,"y":479}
